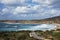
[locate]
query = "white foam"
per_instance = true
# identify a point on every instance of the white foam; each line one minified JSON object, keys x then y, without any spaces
{"x":43,"y":26}
{"x":15,"y":26}
{"x":11,"y":23}
{"x":40,"y":27}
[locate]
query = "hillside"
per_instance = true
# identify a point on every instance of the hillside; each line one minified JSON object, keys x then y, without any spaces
{"x":48,"y":20}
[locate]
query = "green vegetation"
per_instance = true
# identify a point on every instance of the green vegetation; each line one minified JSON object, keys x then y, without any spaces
{"x":24,"y":35}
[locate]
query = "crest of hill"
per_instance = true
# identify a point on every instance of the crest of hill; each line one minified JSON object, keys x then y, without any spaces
{"x":47,"y":20}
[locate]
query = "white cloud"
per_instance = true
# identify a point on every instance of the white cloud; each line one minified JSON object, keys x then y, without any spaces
{"x":10,"y":2}
{"x":50,"y":13}
{"x":26,"y":9}
{"x":21,"y":10}
{"x":5,"y":10}
{"x":43,"y":2}
{"x":41,"y":10}
{"x":55,"y":12}
{"x":37,"y":8}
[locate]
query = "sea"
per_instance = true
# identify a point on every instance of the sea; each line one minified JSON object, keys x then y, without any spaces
{"x":20,"y":27}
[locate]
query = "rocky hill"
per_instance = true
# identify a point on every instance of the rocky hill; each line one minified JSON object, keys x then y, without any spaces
{"x":48,"y":20}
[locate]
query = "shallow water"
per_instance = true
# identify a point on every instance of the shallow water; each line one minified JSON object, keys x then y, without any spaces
{"x":18,"y":27}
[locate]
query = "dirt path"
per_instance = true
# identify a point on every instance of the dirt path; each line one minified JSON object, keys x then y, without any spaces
{"x":34,"y":35}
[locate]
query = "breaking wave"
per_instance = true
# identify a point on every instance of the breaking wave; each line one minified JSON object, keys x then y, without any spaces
{"x":18,"y":26}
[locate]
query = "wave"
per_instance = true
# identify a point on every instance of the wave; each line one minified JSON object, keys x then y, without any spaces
{"x":11,"y":23}
{"x":43,"y":26}
{"x":29,"y":27}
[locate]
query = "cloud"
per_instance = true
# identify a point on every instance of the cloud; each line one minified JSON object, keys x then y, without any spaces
{"x":20,"y":9}
{"x":56,"y":4}
{"x":27,"y":9}
{"x":12,"y":2}
{"x":25,"y":13}
{"x":52,"y":12}
{"x":43,"y":2}
{"x":7,"y":10}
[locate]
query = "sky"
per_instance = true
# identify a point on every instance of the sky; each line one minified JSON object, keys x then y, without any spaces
{"x":29,"y":9}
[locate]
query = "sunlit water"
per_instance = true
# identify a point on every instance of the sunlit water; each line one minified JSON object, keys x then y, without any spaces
{"x":18,"y":27}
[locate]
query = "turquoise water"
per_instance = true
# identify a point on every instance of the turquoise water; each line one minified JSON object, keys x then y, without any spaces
{"x":18,"y":27}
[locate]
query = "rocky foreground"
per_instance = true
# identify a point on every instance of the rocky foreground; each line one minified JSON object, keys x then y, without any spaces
{"x":25,"y":35}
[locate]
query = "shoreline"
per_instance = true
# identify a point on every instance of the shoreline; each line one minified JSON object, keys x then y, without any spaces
{"x":56,"y":27}
{"x":29,"y":23}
